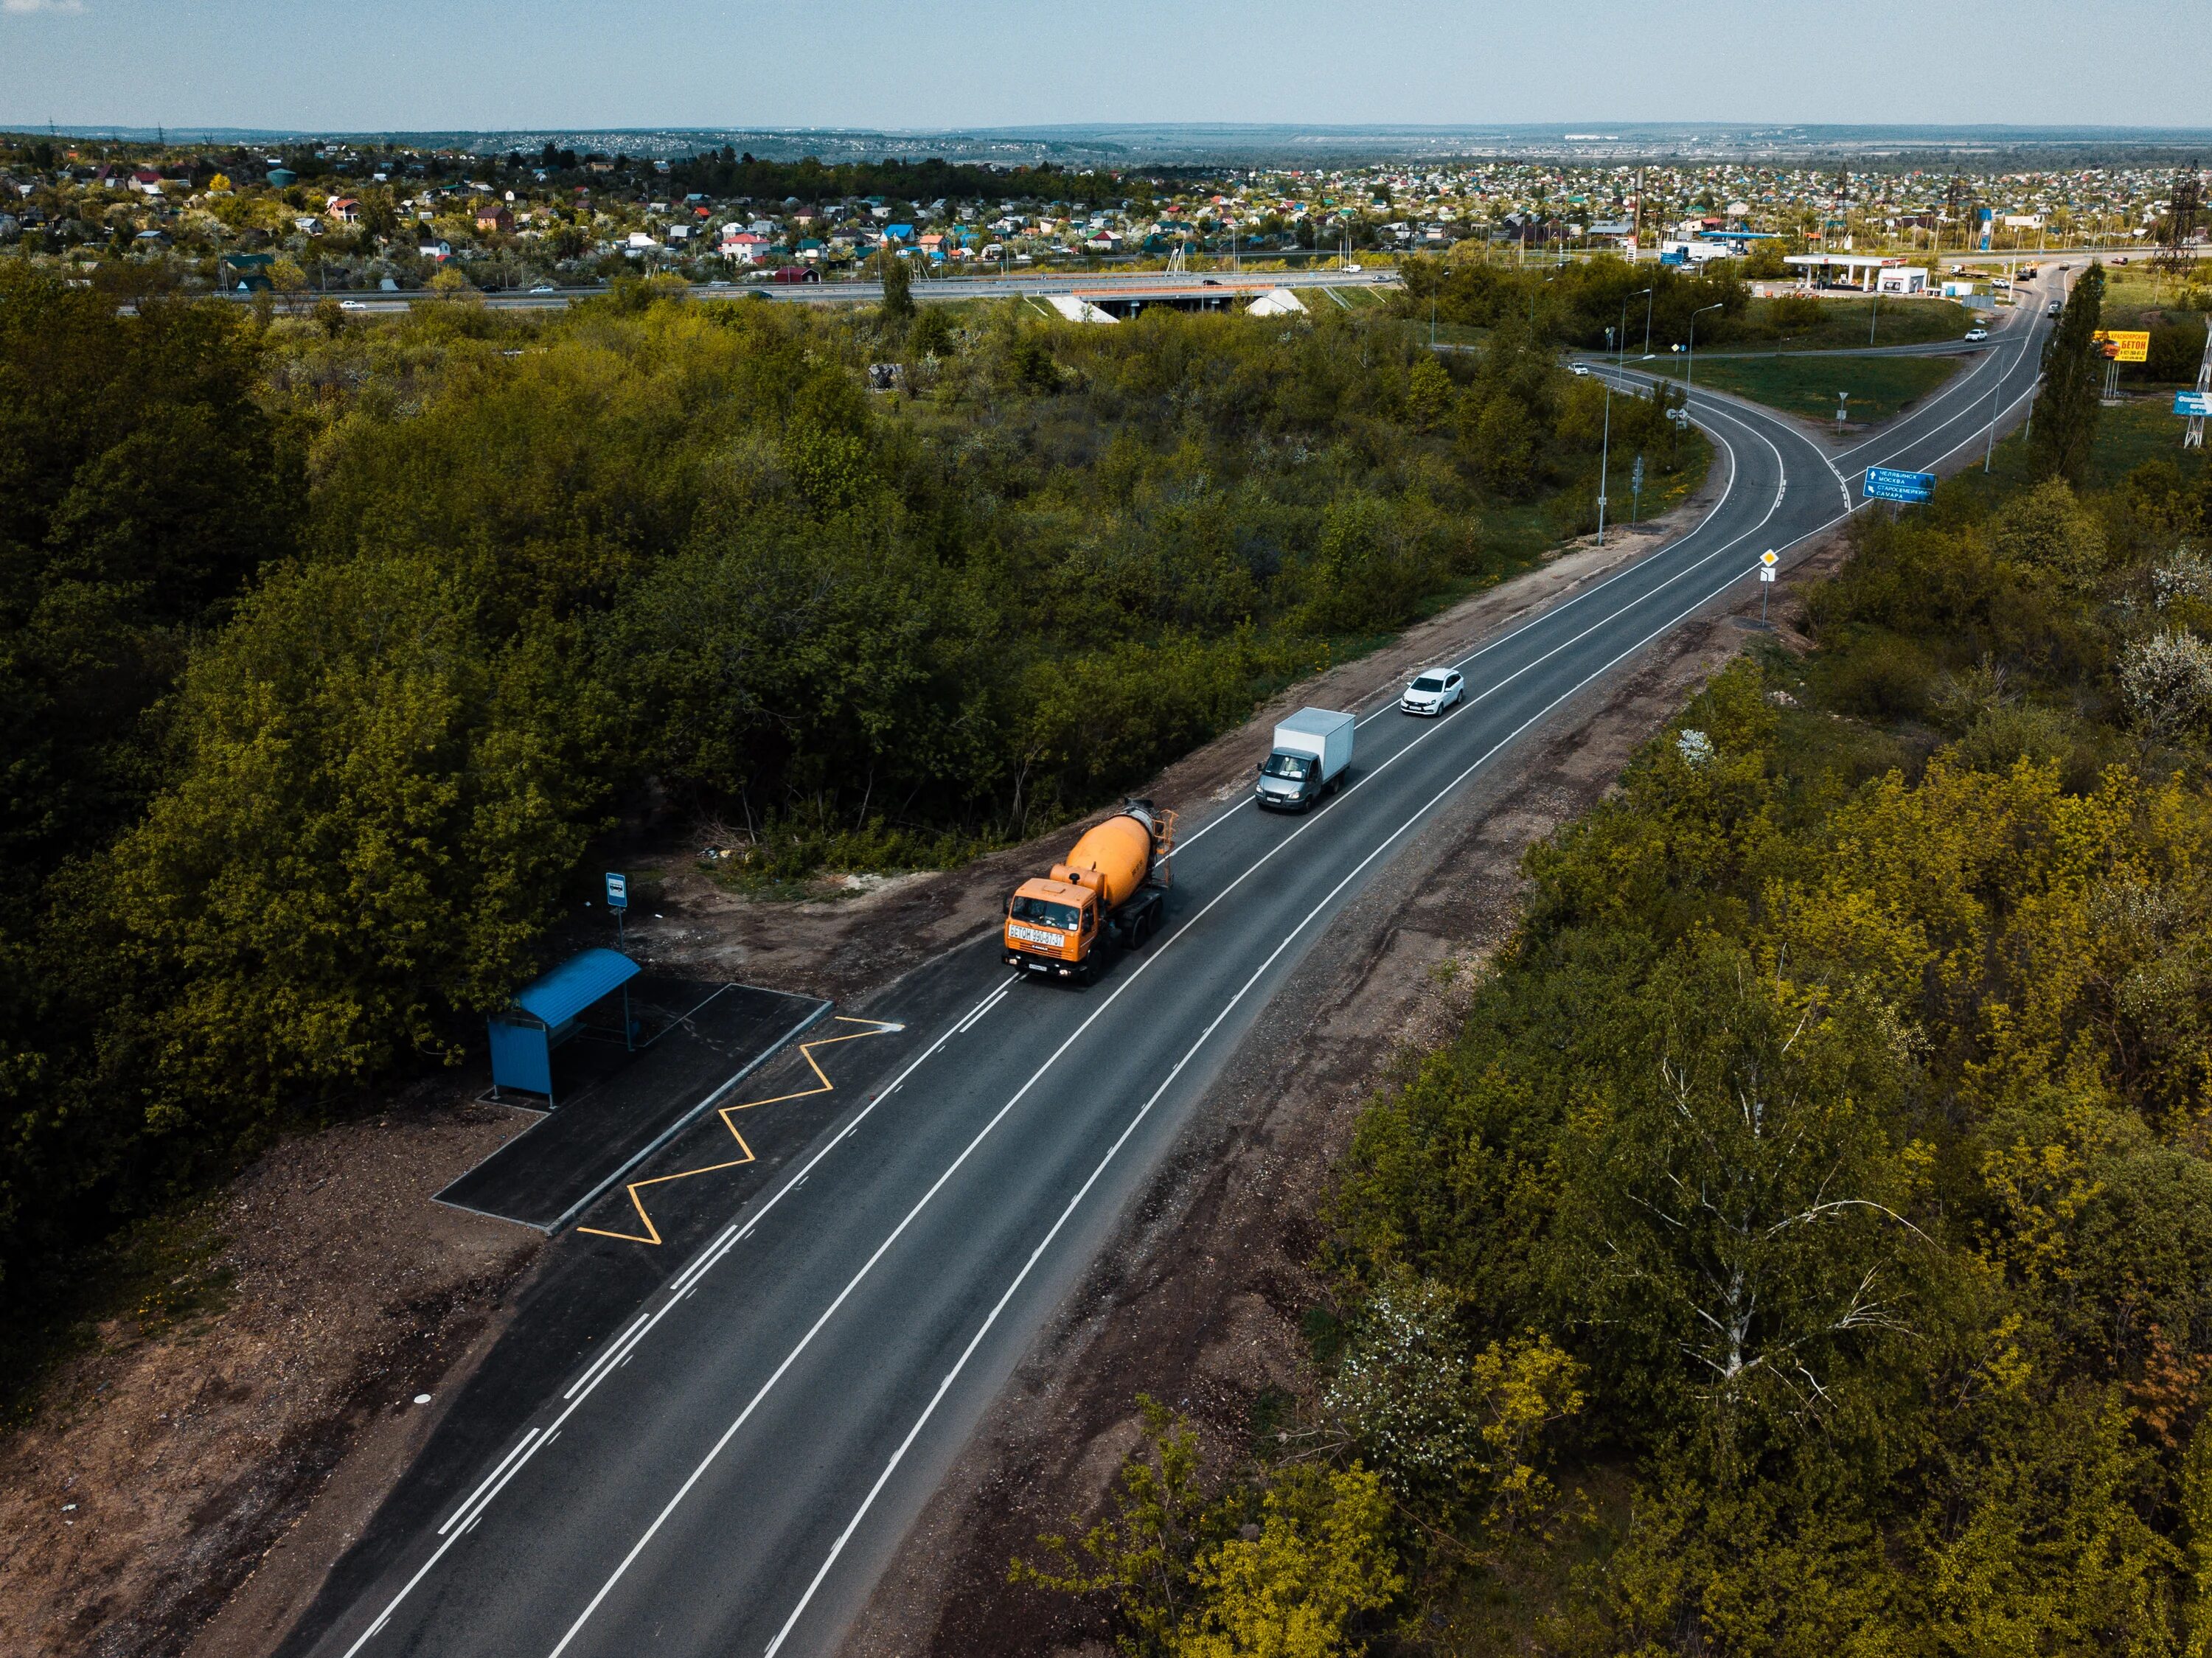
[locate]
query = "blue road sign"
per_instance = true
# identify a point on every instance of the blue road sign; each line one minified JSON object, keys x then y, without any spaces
{"x":1887,"y":483}
{"x":617,"y":891}
{"x":2192,"y":403}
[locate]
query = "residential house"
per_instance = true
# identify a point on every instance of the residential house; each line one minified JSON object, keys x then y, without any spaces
{"x":344,"y":209}
{"x":743,"y":247}
{"x":495,"y":216}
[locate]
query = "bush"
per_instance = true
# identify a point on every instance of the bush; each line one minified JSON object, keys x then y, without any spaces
{"x":1882,"y":677}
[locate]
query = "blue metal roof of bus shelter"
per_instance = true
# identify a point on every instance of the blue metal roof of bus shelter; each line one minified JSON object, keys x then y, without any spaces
{"x":568,"y":989}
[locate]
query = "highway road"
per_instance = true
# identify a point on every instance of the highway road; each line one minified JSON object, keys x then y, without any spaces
{"x":943,"y":289}
{"x":715,"y":1446}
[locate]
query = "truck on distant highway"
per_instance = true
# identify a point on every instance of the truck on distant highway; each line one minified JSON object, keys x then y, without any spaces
{"x":1111,"y":889}
{"x":1313,"y":751}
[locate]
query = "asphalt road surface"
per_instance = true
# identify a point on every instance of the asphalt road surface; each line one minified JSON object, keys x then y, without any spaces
{"x":1013,"y":284}
{"x":715,"y":1445}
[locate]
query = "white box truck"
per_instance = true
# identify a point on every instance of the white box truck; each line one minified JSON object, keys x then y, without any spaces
{"x":1313,"y":752}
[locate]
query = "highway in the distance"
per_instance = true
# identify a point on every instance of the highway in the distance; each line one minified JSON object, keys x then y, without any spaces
{"x":933,"y":289}
{"x":716,"y":1447}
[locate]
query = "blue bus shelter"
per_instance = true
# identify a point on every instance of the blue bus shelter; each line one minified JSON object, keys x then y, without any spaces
{"x":548,"y":1011}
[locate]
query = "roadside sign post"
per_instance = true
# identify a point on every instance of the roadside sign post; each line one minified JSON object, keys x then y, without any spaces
{"x":1636,"y":491}
{"x":2198,"y":403}
{"x":618,"y":902}
{"x":1842,"y":398}
{"x":1888,"y":483}
{"x":1766,"y":563}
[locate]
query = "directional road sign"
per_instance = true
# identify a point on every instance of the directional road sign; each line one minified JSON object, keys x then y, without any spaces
{"x":617,"y":891}
{"x":1887,"y":483}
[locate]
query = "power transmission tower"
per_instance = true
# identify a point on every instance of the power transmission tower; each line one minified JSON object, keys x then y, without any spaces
{"x":2184,"y":203}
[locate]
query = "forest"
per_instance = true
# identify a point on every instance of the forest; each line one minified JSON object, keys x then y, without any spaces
{"x":1805,"y":1247}
{"x":332,"y":648}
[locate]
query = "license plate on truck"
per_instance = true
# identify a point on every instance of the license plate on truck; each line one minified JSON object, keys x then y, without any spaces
{"x":1029,"y":935}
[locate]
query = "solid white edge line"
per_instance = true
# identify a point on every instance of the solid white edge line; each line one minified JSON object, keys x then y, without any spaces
{"x":699,"y":1471}
{"x":709,"y":1256}
{"x":1112,"y":1152}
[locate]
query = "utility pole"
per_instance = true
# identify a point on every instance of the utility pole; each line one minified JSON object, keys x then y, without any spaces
{"x":1605,"y":450}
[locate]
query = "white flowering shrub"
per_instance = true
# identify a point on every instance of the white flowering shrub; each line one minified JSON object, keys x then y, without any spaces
{"x":1443,"y":1418}
{"x":2187,"y":574}
{"x":2168,"y":682}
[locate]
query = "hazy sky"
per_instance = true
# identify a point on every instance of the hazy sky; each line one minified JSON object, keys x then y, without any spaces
{"x":375,"y":64}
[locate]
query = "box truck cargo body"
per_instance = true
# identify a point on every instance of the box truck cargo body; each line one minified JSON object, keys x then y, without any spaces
{"x":1313,"y":752}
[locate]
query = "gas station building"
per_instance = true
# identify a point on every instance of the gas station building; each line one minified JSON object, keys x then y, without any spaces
{"x":1871,"y":273}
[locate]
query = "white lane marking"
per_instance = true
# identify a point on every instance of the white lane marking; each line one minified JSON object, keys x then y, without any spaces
{"x":938,"y":1185}
{"x":610,"y":1360}
{"x":1560,"y":609}
{"x":982,"y":1008}
{"x":471,"y":1502}
{"x":713,"y":1253}
{"x":1967,"y":406}
{"x":1144,"y":1110}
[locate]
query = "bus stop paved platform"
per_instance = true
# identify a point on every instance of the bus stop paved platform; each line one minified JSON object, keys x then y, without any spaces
{"x":618,"y":1107}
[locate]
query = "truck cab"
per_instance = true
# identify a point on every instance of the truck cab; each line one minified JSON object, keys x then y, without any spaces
{"x":1290,"y":780}
{"x":1051,"y":925}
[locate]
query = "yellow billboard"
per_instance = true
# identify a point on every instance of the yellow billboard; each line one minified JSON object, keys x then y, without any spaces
{"x":2127,"y":345}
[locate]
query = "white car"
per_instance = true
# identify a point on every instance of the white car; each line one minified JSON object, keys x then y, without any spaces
{"x":1973,"y":334}
{"x":1578,"y":368}
{"x":1433,"y":690}
{"x":352,"y":305}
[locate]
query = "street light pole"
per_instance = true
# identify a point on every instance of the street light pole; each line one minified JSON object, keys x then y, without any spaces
{"x":1604,"y":449}
{"x":1990,"y":451}
{"x":1690,"y":374}
{"x":1621,"y":355}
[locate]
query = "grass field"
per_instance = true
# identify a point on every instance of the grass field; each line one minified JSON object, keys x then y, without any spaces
{"x":1844,"y":323}
{"x":2127,"y":436}
{"x":1880,"y":386}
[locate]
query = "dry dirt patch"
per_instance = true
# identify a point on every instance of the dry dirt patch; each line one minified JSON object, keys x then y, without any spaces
{"x":223,"y":1468}
{"x":158,"y":1473}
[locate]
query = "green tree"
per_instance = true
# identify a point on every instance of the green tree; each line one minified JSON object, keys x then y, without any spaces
{"x":2073,"y":374}
{"x":1142,"y":1554}
{"x":1322,"y":1558}
{"x":898,"y":286}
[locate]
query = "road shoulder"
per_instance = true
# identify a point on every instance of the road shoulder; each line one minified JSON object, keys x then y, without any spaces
{"x":1199,"y":1301}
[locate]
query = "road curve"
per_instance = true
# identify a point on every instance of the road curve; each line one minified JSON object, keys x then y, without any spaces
{"x":716,"y":1446}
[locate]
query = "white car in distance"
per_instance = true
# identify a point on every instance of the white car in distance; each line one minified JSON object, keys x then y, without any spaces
{"x":1433,"y":690}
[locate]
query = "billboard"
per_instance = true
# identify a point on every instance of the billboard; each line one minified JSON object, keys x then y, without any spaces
{"x":2125,"y":345}
{"x":1887,"y":484}
{"x":2197,"y":405}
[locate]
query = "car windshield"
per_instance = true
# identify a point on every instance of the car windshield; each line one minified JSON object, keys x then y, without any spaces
{"x":1045,"y":913}
{"x":1296,"y":766}
{"x":1428,"y":681}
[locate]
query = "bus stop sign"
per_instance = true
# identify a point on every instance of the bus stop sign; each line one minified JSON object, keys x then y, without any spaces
{"x":617,"y":891}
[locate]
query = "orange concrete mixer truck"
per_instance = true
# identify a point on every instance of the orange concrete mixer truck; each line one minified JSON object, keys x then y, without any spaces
{"x":1112,"y":887}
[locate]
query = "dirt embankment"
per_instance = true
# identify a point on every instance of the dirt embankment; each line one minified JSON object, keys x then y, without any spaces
{"x":222,"y":1467}
{"x":1200,"y":1302}
{"x":146,"y":1491}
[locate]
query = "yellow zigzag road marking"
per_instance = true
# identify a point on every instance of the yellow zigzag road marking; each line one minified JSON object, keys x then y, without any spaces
{"x":652,"y":1233}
